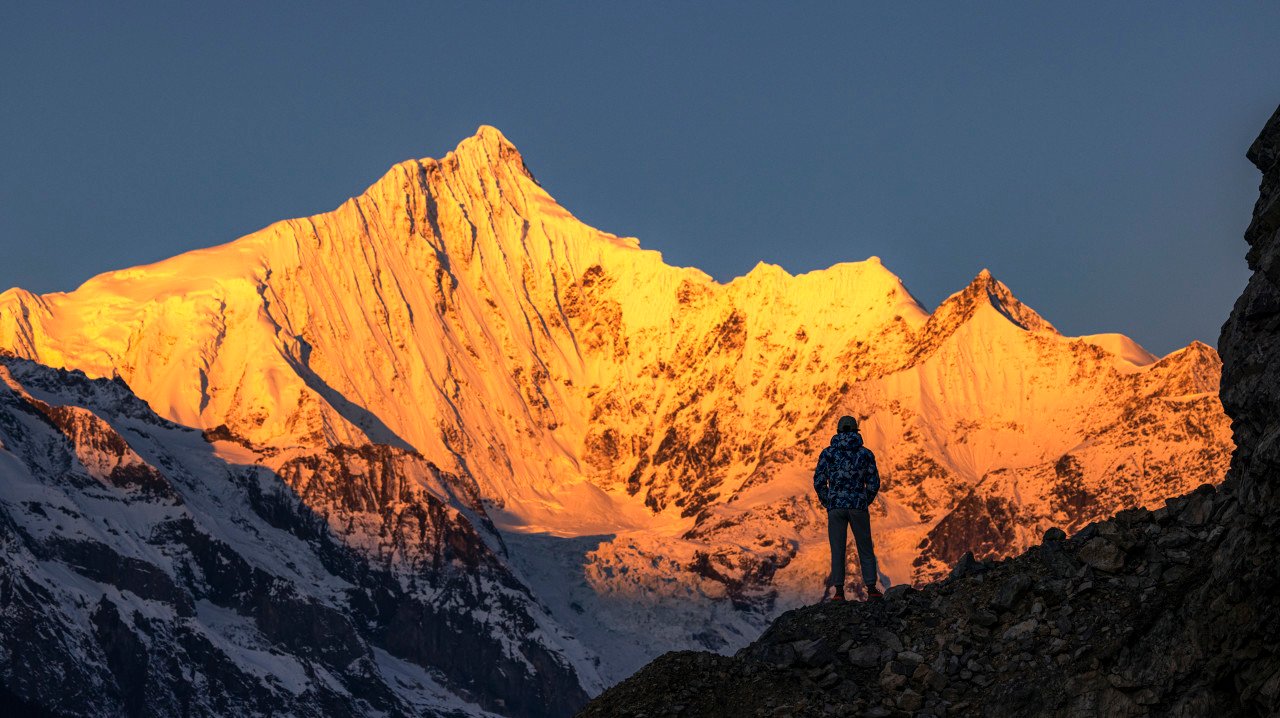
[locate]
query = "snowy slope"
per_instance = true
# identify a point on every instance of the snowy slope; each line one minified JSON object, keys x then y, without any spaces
{"x":144,"y":575}
{"x":642,"y":435}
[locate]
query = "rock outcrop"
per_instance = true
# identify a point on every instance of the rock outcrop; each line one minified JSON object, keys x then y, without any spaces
{"x":1165,"y":612}
{"x":142,"y":575}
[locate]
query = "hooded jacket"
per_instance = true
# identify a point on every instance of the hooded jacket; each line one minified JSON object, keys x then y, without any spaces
{"x":846,"y":477}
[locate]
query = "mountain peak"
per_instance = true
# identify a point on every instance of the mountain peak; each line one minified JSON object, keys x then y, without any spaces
{"x":984,"y":291}
{"x":1196,"y":352}
{"x":490,"y":136}
{"x":985,"y":281}
{"x":489,"y":147}
{"x":486,"y":158}
{"x":998,"y":295}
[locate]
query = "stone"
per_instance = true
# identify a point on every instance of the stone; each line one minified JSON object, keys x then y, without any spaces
{"x":984,"y":618}
{"x":1174,"y":538}
{"x":1198,"y":509}
{"x":865,"y":656}
{"x":910,"y":701}
{"x":911,"y":657}
{"x":1011,"y":591}
{"x":1146,"y":697}
{"x":888,"y":638}
{"x":1020,"y":630}
{"x":926,"y":677}
{"x":1102,"y":555}
{"x":1054,"y":534}
{"x":1175,"y":505}
{"x":896,"y":592}
{"x":892,"y":682}
{"x":810,"y":652}
{"x":967,"y":566}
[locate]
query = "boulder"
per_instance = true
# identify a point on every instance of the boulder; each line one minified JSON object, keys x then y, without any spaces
{"x":1102,"y":555}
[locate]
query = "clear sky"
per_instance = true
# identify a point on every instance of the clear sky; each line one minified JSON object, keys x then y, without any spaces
{"x":1092,"y":156}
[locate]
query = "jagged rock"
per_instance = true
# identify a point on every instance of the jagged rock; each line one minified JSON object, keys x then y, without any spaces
{"x":984,"y":618}
{"x":888,"y":639}
{"x":1199,"y":507}
{"x":910,"y":658}
{"x":897,"y":592}
{"x":1020,"y":630}
{"x":927,"y":677}
{"x":1102,"y":555}
{"x":967,"y":566}
{"x":865,"y":656}
{"x":830,"y":680}
{"x":1011,"y":591}
{"x":891,"y":681}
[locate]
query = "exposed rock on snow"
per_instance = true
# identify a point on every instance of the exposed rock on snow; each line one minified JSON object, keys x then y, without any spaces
{"x":458,"y":376}
{"x":143,"y":575}
{"x":1165,"y":612}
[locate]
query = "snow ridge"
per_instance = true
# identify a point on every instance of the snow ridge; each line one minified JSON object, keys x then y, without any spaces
{"x":640,"y":428}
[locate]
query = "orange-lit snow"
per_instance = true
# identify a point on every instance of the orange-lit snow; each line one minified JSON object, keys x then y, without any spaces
{"x":456,"y":309}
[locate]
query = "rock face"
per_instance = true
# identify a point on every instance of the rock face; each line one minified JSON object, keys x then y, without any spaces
{"x":536,"y":429}
{"x":142,"y":575}
{"x":1168,"y":612}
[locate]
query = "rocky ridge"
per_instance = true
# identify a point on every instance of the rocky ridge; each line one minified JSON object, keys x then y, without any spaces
{"x":142,"y":575}
{"x":1166,"y":612}
{"x":458,"y":377}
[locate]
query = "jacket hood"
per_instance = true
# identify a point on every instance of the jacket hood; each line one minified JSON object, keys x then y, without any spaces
{"x":850,"y":441}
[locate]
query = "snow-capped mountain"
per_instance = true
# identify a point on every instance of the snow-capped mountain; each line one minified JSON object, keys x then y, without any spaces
{"x":144,"y":575}
{"x":625,"y":446}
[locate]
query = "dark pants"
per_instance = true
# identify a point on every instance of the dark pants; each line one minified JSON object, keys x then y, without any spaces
{"x":838,"y":521}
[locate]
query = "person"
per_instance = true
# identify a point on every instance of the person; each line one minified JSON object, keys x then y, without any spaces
{"x":847,"y":481}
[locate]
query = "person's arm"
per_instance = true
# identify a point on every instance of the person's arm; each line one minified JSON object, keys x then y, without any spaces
{"x":873,"y":478}
{"x":821,"y":481}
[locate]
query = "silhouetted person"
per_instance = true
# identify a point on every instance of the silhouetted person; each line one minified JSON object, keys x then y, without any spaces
{"x":847,"y":482}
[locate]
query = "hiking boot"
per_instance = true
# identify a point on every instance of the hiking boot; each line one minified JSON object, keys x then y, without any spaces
{"x":838,"y":595}
{"x":873,"y":592}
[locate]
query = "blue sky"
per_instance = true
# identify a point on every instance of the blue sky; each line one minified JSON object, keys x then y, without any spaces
{"x":1092,"y":156}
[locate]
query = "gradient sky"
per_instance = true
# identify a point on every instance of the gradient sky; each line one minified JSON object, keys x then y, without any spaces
{"x":1091,"y":156}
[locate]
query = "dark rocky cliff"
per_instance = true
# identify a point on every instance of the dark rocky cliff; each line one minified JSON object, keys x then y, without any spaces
{"x":1164,"y":613}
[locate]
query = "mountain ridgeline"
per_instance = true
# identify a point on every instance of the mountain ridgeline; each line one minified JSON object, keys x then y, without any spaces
{"x":1165,"y":612}
{"x":448,"y":450}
